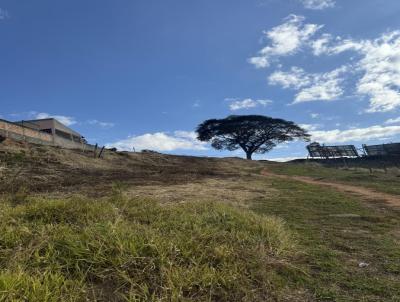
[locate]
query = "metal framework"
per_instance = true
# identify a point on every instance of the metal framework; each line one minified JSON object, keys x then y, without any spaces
{"x":382,"y":150}
{"x":317,"y":151}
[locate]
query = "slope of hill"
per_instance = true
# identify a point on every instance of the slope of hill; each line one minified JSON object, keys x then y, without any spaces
{"x":154,"y":227}
{"x":45,"y":169}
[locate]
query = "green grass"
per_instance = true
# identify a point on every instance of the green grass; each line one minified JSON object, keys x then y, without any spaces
{"x":138,"y":250}
{"x":378,"y":180}
{"x":281,"y":241}
{"x":334,"y":246}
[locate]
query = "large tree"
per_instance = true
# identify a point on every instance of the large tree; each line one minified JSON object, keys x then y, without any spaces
{"x":252,"y":133}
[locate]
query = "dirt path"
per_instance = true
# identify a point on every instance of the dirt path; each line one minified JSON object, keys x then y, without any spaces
{"x":366,"y":193}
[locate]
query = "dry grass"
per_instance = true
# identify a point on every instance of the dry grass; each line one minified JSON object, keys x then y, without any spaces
{"x":152,"y":227}
{"x":237,"y":191}
{"x":49,"y":169}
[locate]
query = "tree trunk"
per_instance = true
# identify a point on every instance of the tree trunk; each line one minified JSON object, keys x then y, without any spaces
{"x":248,"y":155}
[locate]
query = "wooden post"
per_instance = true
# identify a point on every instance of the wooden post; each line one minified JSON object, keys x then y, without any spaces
{"x":6,"y":128}
{"x":95,"y":151}
{"x":101,"y":151}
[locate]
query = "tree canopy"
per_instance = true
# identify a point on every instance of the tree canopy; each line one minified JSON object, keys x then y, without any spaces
{"x":252,"y":133}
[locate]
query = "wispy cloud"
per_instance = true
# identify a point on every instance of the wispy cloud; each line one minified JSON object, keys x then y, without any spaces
{"x":246,"y":103}
{"x":161,"y":141}
{"x":311,"y":87}
{"x":101,"y":124}
{"x":296,"y":78}
{"x":310,"y":127}
{"x":318,"y":4}
{"x":356,"y":134}
{"x":376,"y":68}
{"x":285,"y":39}
{"x":196,"y":104}
{"x":393,"y":121}
{"x":321,"y":45}
{"x":379,"y":63}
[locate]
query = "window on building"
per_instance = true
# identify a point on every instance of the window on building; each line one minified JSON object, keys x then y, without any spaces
{"x":76,"y":138}
{"x":63,"y":134}
{"x":47,"y":131}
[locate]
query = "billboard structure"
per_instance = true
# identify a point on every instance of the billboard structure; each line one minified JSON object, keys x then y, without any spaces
{"x":321,"y":151}
{"x":382,"y":150}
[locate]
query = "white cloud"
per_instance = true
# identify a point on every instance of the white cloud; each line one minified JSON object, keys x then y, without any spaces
{"x":313,"y":86}
{"x":324,"y":89}
{"x":196,"y":104}
{"x":340,"y":46}
{"x":101,"y":124}
{"x":379,"y":64}
{"x":66,"y":120}
{"x":321,"y":45}
{"x":381,"y":81}
{"x":356,"y":134}
{"x":318,"y":4}
{"x":161,"y":141}
{"x":286,"y":39}
{"x":247,"y":104}
{"x":310,"y":127}
{"x":393,"y":121}
{"x":314,"y":115}
{"x":296,"y":78}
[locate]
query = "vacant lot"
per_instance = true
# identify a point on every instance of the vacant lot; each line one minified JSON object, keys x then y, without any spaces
{"x":151,"y":227}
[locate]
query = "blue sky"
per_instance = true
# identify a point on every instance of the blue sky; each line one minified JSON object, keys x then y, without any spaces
{"x":146,"y":73}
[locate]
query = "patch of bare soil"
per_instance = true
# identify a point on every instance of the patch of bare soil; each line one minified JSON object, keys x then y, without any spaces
{"x":366,"y":193}
{"x":230,"y":190}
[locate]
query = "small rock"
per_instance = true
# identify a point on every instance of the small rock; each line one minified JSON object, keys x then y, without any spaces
{"x":363,"y":264}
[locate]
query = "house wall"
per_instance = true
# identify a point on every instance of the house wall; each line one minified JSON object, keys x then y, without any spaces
{"x":59,"y":126}
{"x":20,"y":133}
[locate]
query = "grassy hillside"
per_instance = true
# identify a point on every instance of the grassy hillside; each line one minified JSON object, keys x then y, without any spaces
{"x":117,"y":250}
{"x":152,"y":227}
{"x":387,"y":181}
{"x":49,"y":169}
